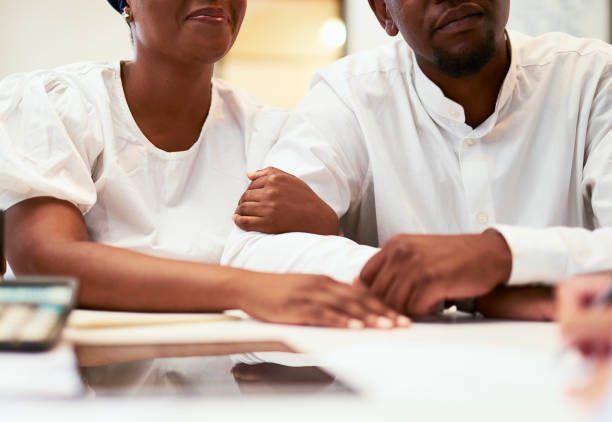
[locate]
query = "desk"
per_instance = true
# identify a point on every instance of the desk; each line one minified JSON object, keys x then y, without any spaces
{"x":472,"y":371}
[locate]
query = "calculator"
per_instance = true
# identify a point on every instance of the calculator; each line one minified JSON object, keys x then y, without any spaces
{"x":33,"y":311}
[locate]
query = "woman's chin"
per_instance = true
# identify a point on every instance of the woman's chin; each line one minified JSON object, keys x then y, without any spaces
{"x":210,"y":56}
{"x":211,"y":51}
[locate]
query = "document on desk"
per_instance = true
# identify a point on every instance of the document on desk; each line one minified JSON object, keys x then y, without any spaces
{"x":136,"y":328}
{"x":85,"y":319}
{"x":459,"y":373}
{"x":52,"y":374}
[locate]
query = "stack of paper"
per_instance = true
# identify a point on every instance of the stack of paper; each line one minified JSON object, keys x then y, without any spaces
{"x":51,"y":374}
{"x":83,"y":319}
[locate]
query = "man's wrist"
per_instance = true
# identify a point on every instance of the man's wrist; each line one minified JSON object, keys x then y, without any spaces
{"x":498,"y":255}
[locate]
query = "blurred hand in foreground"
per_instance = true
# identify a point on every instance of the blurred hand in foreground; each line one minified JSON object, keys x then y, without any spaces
{"x":584,"y":324}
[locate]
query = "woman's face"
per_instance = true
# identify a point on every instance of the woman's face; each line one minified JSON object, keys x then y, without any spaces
{"x":186,"y":30}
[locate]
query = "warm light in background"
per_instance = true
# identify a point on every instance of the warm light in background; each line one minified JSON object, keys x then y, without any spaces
{"x":280,"y":46}
{"x":333,"y":33}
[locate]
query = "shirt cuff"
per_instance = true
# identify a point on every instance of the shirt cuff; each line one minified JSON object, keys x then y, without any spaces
{"x":538,"y":255}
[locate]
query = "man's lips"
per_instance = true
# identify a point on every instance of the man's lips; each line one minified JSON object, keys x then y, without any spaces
{"x":209,"y":14}
{"x":464,"y":11}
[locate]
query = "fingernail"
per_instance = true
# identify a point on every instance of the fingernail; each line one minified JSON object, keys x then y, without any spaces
{"x":355,"y":324}
{"x":234,"y":217}
{"x":372,"y":320}
{"x":383,"y":322}
{"x":403,"y":321}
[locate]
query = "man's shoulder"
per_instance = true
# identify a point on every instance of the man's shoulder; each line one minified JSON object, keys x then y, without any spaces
{"x":391,"y":58}
{"x":556,"y":48}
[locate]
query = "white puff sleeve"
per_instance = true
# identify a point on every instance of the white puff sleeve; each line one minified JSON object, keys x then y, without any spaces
{"x":50,"y":140}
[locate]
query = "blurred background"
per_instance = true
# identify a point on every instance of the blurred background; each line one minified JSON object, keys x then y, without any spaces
{"x":281,"y":44}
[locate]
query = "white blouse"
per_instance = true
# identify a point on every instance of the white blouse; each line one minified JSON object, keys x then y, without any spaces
{"x":68,"y":133}
{"x":383,"y":146}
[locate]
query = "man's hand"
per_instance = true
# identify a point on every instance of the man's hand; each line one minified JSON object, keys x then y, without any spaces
{"x":584,"y":326}
{"x":277,"y":202}
{"x":306,"y":299}
{"x":414,"y":274}
{"x":526,"y":303}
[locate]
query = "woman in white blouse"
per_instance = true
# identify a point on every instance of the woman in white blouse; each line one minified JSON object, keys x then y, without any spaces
{"x":126,"y":176}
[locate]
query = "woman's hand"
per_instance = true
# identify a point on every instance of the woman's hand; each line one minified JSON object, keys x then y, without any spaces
{"x":305,"y":299}
{"x":584,"y":326}
{"x":527,"y":303}
{"x":277,"y":202}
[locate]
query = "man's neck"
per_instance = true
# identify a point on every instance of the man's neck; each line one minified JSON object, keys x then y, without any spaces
{"x":476,"y":93}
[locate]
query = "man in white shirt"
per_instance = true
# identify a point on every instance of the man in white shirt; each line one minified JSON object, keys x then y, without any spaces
{"x":495,"y":144}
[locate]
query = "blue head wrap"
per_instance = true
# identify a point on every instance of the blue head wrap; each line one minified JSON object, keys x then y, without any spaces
{"x":117,"y":5}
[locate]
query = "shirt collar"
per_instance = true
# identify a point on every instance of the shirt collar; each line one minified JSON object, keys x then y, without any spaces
{"x":451,"y":115}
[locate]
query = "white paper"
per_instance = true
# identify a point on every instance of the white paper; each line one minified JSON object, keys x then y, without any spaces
{"x":52,"y":374}
{"x":85,"y":319}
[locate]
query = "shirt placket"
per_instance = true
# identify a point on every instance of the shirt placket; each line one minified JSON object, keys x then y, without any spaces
{"x":475,"y":171}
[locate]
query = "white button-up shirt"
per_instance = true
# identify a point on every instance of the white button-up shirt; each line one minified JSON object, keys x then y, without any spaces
{"x":380,"y":143}
{"x":68,"y":133}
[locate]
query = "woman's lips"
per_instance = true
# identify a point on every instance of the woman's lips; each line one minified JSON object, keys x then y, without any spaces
{"x":209,"y":15}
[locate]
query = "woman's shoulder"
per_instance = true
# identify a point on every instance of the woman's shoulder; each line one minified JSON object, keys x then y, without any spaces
{"x":85,"y":80}
{"x":236,"y":96}
{"x":260,"y":124}
{"x":243,"y":105}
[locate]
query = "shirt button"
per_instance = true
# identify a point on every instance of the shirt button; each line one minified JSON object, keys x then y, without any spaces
{"x":482,"y":218}
{"x":455,"y":114}
{"x":469,"y":142}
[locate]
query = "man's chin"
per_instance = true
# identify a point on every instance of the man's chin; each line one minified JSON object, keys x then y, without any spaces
{"x":466,"y":61}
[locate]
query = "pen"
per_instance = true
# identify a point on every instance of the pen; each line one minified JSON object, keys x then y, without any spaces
{"x":603,"y":299}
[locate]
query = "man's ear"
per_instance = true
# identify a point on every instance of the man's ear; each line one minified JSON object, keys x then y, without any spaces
{"x":379,"y":7}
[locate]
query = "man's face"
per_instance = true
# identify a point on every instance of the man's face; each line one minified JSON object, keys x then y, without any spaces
{"x":459,"y":37}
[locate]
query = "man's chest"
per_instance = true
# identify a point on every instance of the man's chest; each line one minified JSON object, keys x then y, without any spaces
{"x":527,"y":170}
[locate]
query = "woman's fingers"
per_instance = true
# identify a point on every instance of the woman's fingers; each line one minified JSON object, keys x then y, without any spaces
{"x":328,"y":317}
{"x":376,"y":305}
{"x":258,"y":183}
{"x":252,"y":209}
{"x":318,"y":300}
{"x":249,"y":224}
{"x":254,"y":175}
{"x":367,"y":308}
{"x":252,"y":195}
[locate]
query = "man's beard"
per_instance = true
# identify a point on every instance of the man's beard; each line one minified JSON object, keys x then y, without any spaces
{"x":466,"y":63}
